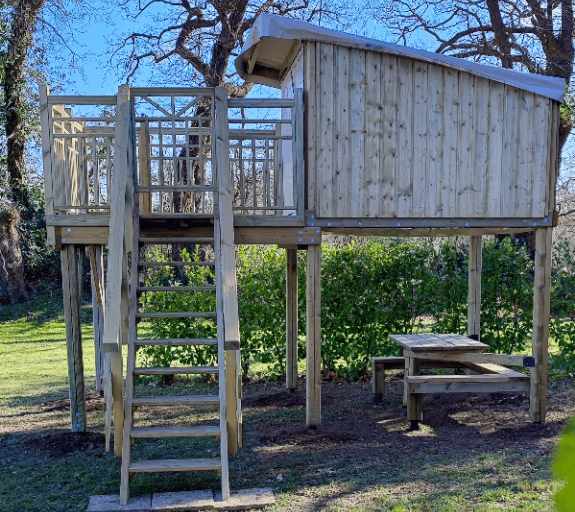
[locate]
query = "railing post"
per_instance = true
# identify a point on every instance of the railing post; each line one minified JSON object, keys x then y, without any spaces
{"x":46,"y":124}
{"x":116,"y":240}
{"x":297,"y":130}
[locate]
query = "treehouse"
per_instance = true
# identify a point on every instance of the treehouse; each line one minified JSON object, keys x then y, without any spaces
{"x":367,"y":138}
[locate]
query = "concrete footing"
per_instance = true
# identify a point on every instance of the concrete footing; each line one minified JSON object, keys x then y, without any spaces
{"x":187,"y":501}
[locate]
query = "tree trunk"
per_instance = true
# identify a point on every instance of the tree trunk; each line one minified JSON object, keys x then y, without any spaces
{"x":22,"y":28}
{"x":11,"y":261}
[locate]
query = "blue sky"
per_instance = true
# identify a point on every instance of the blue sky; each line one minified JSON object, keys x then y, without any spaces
{"x":95,"y":75}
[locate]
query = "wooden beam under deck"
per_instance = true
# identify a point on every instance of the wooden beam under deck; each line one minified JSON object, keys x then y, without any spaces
{"x":98,"y":235}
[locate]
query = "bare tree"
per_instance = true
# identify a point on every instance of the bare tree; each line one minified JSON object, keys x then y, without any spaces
{"x":195,"y":40}
{"x":529,"y":35}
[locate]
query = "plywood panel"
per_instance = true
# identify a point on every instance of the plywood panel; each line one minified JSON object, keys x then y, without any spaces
{"x":525,"y":171}
{"x":481,"y":155}
{"x":390,"y":137}
{"x":510,"y":142}
{"x":310,"y":116}
{"x":465,"y":147}
{"x":450,"y":116}
{"x":436,"y":140}
{"x":374,"y":129}
{"x":326,"y":130}
{"x":342,"y":109}
{"x":542,"y":137}
{"x":495,"y":147}
{"x":357,"y":181}
{"x":405,"y":148}
{"x":420,"y":139}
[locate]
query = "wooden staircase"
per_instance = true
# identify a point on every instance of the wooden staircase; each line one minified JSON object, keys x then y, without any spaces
{"x":140,"y":405}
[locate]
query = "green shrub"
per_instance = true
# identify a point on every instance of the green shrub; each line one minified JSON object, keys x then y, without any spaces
{"x":369,"y":292}
{"x":447,"y":289}
{"x":205,"y":301}
{"x":563,"y":303}
{"x":507,"y":296}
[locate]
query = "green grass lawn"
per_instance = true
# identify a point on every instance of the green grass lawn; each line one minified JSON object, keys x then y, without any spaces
{"x":33,"y":352}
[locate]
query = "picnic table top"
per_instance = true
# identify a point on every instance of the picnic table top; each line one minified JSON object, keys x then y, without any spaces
{"x":438,"y":343}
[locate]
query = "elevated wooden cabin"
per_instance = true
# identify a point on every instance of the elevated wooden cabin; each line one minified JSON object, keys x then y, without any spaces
{"x":367,"y":138}
{"x":396,"y":137}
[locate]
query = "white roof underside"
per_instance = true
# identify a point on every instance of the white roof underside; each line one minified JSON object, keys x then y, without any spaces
{"x":266,"y":55}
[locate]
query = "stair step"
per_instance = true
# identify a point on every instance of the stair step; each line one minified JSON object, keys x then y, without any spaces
{"x":167,"y":465}
{"x":177,"y":341}
{"x":157,"y":432}
{"x":176,"y":370}
{"x":183,"y":314}
{"x":142,"y":289}
{"x":177,"y":264}
{"x":177,"y":240}
{"x":153,"y":401}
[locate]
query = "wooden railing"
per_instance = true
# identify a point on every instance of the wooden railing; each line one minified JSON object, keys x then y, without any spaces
{"x":172,"y":161}
{"x":78,"y":160}
{"x":266,"y":159}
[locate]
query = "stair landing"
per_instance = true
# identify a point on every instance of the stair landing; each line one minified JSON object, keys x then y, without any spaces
{"x":246,"y":499}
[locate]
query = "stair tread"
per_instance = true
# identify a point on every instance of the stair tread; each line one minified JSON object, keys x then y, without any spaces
{"x":178,"y":341}
{"x":175,"y":370}
{"x":176,"y":288}
{"x":182,"y":314}
{"x":197,"y":431}
{"x":176,"y":400}
{"x":164,"y":465}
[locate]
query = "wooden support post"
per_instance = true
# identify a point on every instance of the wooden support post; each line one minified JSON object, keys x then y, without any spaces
{"x":97,"y":267}
{"x":234,"y":400}
{"x":72,"y":302}
{"x":414,"y":400}
{"x":541,"y":313}
{"x":313,"y":327}
{"x":47,"y":142}
{"x":116,"y":374}
{"x":291,"y":318}
{"x":474,"y":294}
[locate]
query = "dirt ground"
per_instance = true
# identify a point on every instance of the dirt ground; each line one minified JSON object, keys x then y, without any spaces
{"x":278,"y":442}
{"x":464,"y":421}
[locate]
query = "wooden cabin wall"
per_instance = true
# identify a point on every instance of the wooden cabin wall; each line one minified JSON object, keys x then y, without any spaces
{"x":388,"y":137}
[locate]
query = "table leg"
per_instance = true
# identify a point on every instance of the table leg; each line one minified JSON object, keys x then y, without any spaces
{"x":414,"y":400}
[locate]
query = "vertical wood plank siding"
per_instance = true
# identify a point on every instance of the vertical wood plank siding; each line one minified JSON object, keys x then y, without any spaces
{"x":388,"y":136}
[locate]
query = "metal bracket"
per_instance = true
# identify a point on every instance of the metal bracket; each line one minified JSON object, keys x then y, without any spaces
{"x":529,"y":361}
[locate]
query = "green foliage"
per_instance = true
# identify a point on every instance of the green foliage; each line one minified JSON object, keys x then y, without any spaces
{"x":564,"y":469}
{"x":507,"y":296}
{"x":369,"y":292}
{"x":562,"y":303}
{"x":261,"y":278}
{"x":447,"y":289}
{"x":195,"y":355}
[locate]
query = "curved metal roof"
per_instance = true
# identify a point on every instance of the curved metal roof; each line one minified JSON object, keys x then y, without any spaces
{"x":266,"y":55}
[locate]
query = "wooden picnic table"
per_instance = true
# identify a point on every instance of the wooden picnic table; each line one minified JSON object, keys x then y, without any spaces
{"x":489,"y":374}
